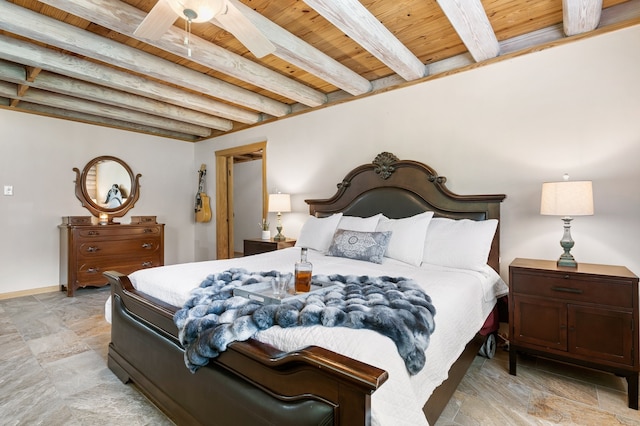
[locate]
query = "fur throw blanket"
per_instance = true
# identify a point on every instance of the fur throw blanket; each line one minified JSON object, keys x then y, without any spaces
{"x":213,"y":318}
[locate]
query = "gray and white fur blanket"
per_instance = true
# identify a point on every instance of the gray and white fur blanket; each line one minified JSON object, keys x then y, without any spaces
{"x":398,"y":308}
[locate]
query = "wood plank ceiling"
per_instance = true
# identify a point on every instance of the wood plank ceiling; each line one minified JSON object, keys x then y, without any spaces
{"x":80,"y":60}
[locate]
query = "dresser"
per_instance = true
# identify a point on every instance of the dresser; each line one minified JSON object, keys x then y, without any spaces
{"x":586,"y":315}
{"x":88,"y":250}
{"x":257,"y":246}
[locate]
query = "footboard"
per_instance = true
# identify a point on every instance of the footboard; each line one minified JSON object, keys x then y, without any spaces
{"x":250,"y":383}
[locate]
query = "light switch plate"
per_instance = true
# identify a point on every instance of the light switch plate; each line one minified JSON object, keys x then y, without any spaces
{"x":8,"y":190}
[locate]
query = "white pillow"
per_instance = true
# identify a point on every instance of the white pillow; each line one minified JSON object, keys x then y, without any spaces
{"x":407,"y":238}
{"x":463,"y":243}
{"x":317,"y":232}
{"x":361,"y":224}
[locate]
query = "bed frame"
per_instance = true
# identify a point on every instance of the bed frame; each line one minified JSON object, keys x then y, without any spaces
{"x":253,"y":383}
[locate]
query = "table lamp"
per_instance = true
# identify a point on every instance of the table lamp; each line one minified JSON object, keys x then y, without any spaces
{"x":279,"y":203}
{"x":567,"y":199}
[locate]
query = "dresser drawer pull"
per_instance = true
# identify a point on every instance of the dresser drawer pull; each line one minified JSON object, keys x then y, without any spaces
{"x":93,"y":233}
{"x":567,"y":290}
{"x":147,"y":264}
{"x":148,"y":230}
{"x":147,"y":245}
{"x":93,"y":270}
{"x":92,"y":249}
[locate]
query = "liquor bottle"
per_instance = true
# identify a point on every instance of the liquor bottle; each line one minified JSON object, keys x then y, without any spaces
{"x":303,"y":273}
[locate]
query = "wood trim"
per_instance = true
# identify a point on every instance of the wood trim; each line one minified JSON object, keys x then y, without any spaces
{"x":224,"y":194}
{"x":29,"y":292}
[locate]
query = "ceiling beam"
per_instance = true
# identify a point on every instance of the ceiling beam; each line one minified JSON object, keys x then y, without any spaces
{"x":580,"y":16}
{"x":355,"y":20}
{"x":32,"y":25}
{"x":72,"y":87}
{"x":43,"y":97}
{"x":304,"y":56}
{"x":30,"y":75}
{"x":470,"y":21}
{"x":125,"y":19}
{"x":23,"y":52}
{"x":101,"y":121}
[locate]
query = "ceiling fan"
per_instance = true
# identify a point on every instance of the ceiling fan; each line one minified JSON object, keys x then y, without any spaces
{"x":226,"y":14}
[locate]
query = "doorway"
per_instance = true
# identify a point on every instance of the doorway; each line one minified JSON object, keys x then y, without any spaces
{"x":225,"y":160}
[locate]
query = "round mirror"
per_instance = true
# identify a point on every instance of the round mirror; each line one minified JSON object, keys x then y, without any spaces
{"x":107,"y":186}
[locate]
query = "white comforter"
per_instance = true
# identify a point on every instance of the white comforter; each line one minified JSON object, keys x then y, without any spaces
{"x":462,"y":298}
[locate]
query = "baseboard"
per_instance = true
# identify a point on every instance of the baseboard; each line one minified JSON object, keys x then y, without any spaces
{"x":29,"y":292}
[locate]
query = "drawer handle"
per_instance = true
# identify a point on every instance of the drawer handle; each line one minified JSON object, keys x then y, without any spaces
{"x":93,"y":270}
{"x":567,"y":290}
{"x":147,"y":245}
{"x":147,"y":264}
{"x":92,"y":249}
{"x":148,"y":230}
{"x":94,"y":233}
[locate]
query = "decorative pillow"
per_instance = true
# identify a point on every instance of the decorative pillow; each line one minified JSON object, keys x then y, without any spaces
{"x":317,"y":232}
{"x":362,"y":224}
{"x":407,"y":239}
{"x":462,"y":243}
{"x":368,"y":246}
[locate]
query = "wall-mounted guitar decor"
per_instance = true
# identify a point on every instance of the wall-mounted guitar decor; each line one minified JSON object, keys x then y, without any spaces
{"x":203,"y":203}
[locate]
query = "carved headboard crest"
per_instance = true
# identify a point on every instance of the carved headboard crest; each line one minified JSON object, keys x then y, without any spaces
{"x":384,"y":164}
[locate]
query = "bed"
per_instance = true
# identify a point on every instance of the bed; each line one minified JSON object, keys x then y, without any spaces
{"x":316,"y":379}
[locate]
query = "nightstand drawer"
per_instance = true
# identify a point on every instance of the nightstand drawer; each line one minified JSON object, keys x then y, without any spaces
{"x":566,"y":286}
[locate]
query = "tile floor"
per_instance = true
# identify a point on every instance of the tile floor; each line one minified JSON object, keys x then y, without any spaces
{"x":53,"y":371}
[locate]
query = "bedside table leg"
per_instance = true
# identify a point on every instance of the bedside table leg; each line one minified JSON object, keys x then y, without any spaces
{"x":632,"y":390}
{"x":512,"y":360}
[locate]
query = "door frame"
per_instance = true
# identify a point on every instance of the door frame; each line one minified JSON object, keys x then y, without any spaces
{"x":224,"y":194}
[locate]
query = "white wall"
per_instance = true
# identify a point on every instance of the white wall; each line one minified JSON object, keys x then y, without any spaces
{"x":37,"y":155}
{"x":500,"y":128}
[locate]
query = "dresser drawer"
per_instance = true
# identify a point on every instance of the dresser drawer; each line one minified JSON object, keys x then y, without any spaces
{"x":90,"y":272}
{"x":613,"y":292}
{"x":130,"y":247}
{"x":116,"y":231}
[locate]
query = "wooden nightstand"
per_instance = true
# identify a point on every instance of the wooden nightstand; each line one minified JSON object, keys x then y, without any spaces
{"x":257,"y":246}
{"x":586,"y":316}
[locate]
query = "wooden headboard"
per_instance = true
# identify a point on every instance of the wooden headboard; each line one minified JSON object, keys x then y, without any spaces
{"x":403,"y":188}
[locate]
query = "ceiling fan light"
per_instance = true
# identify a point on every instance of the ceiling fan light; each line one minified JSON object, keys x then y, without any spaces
{"x":204,"y":10}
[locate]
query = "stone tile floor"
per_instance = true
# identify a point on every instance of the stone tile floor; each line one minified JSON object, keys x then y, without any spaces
{"x":53,"y":371}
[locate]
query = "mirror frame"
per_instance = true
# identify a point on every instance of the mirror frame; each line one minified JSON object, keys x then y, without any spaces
{"x":87,"y":202}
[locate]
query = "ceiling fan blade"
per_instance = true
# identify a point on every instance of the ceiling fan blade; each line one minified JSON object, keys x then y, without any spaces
{"x":242,"y":28}
{"x":157,"y":21}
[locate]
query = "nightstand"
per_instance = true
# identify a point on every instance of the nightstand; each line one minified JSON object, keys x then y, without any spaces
{"x":257,"y":246}
{"x":586,"y":316}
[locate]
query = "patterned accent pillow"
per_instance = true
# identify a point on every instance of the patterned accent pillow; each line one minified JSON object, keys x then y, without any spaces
{"x":367,"y":246}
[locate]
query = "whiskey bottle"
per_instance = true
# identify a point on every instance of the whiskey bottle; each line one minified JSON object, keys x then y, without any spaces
{"x":303,"y":270}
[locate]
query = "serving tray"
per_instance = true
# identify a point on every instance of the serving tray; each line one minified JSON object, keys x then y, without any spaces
{"x":263,"y":293}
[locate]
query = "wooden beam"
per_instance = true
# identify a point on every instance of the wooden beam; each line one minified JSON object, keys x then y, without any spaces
{"x":67,"y":86}
{"x":19,"y":51}
{"x":357,"y":22}
{"x":31,"y":74}
{"x":303,"y":55}
{"x":48,"y":111}
{"x":580,"y":16}
{"x":43,"y":97}
{"x":35,"y":26}
{"x":123,"y":18}
{"x":472,"y":25}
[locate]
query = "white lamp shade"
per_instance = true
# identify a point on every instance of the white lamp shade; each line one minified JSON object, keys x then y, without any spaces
{"x":567,"y":198}
{"x":279,"y":203}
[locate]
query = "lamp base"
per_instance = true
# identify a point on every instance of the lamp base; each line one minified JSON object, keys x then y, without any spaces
{"x":279,"y":236}
{"x":567,"y":261}
{"x":567,"y":243}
